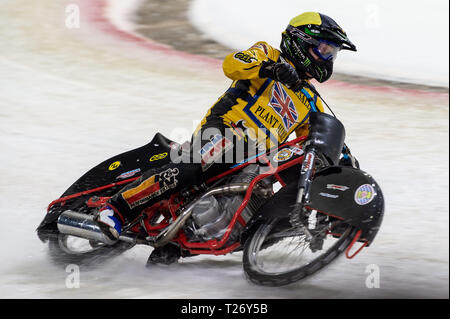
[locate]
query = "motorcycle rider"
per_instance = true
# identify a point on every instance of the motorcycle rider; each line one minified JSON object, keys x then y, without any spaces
{"x":270,"y":97}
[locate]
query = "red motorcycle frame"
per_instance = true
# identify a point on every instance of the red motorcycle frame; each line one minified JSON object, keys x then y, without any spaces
{"x":159,"y":216}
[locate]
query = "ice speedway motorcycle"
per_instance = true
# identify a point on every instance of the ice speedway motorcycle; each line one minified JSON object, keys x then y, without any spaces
{"x":290,"y":211}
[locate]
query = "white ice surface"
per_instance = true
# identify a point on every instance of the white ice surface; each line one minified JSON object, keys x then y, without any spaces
{"x":71,"y":98}
{"x":401,"y":40}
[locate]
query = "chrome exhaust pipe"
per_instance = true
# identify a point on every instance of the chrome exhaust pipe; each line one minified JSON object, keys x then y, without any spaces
{"x":81,"y":225}
{"x":170,"y":232}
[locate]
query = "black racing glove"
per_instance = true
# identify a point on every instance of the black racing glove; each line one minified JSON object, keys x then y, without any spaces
{"x":348,"y":159}
{"x":282,"y":72}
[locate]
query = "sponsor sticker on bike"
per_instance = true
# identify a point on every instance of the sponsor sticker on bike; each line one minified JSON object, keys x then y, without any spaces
{"x":364,"y":194}
{"x":328,"y":195}
{"x":152,"y":187}
{"x":214,"y":150}
{"x":337,"y":187}
{"x":158,"y":157}
{"x":128,"y":174}
{"x":308,"y":162}
{"x":287,"y":153}
{"x":114,"y":165}
{"x":283,"y":155}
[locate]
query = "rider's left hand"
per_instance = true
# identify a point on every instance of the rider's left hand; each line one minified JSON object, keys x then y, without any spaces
{"x":349,"y":160}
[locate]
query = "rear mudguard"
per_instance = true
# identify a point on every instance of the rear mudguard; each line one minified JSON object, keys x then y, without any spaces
{"x":116,"y":169}
{"x":343,"y":192}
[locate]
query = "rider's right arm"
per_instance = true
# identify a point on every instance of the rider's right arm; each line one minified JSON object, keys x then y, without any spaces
{"x":245,"y":65}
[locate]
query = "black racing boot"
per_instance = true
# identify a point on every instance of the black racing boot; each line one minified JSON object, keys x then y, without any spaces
{"x":167,"y":255}
{"x":109,"y":224}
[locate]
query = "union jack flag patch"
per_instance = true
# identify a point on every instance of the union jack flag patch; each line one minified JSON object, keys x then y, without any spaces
{"x":282,"y":103}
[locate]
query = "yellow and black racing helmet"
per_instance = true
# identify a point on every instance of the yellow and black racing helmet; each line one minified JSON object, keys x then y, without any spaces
{"x":311,"y":42}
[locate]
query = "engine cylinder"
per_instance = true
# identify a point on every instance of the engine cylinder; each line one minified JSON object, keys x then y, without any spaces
{"x":212,"y":215}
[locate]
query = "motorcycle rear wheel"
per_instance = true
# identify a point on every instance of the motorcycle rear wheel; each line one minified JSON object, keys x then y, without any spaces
{"x":278,"y":255}
{"x":65,"y":249}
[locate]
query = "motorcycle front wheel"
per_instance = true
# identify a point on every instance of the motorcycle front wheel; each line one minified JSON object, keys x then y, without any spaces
{"x":278,"y":254}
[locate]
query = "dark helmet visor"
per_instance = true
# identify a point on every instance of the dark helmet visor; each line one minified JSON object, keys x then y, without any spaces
{"x":326,"y":50}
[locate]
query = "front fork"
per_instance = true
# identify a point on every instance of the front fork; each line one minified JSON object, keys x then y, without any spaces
{"x":304,"y":185}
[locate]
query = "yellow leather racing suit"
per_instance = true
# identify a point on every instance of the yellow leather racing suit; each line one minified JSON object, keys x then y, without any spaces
{"x":258,"y":108}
